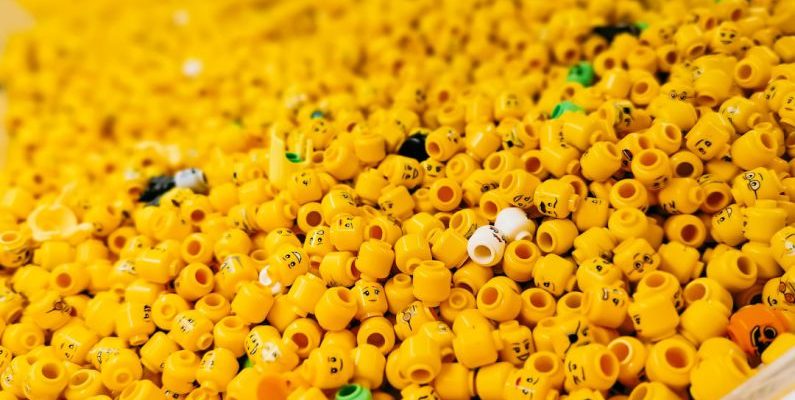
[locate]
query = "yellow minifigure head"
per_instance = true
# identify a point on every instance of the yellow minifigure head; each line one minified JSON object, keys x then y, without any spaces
{"x":658,"y":34}
{"x":779,"y":293}
{"x":432,"y":170}
{"x":782,"y":247}
{"x":419,"y":392}
{"x":517,"y":342}
{"x":555,"y":198}
{"x":573,"y":330}
{"x":371,"y":299}
{"x":757,"y":184}
{"x":320,"y":132}
{"x":328,"y":367}
{"x":523,"y":384}
{"x":598,"y":271}
{"x":287,"y":263}
{"x":264,"y":348}
{"x":776,"y":91}
{"x":787,"y":110}
{"x":15,"y":249}
{"x":726,"y":39}
{"x":636,"y":257}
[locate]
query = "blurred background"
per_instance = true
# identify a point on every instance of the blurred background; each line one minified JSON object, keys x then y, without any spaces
{"x":12,"y":19}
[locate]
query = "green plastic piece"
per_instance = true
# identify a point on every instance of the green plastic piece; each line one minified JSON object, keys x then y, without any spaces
{"x":292,"y":157}
{"x":354,"y":392}
{"x":564,"y":107}
{"x":642,"y":25}
{"x":581,"y":73}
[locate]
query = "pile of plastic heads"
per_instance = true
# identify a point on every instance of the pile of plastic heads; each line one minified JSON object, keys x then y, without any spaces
{"x":383,"y":199}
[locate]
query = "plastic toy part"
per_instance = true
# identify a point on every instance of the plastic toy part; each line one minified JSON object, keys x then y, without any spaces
{"x":371,"y":200}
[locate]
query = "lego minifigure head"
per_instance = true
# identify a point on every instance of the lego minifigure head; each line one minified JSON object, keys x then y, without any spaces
{"x":755,"y":327}
{"x":726,"y":38}
{"x":598,"y":271}
{"x":657,"y":34}
{"x":432,"y":170}
{"x":523,"y":384}
{"x":320,"y":132}
{"x":371,"y":298}
{"x":782,"y":247}
{"x":516,"y":134}
{"x":572,"y":331}
{"x":193,"y":179}
{"x":776,"y":91}
{"x":787,"y":110}
{"x":758,"y":183}
{"x":678,"y":91}
{"x":780,"y":293}
{"x":329,"y":367}
{"x":620,"y":114}
{"x":15,"y":249}
{"x":727,"y":214}
{"x":636,"y":257}
{"x":555,"y":198}
{"x":265,"y":348}
{"x":288,"y":262}
{"x":419,"y":392}
{"x":517,"y":342}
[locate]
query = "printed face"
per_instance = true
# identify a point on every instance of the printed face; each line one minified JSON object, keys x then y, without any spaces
{"x":680,"y":91}
{"x":512,"y":137}
{"x":548,"y":204}
{"x":345,"y":223}
{"x":642,"y":261}
{"x":576,"y":372}
{"x":762,"y":336}
{"x":659,"y":182}
{"x":577,"y":332}
{"x":522,"y":200}
{"x":753,"y":181}
{"x":665,"y":32}
{"x":269,"y":352}
{"x":524,"y":385}
{"x":304,"y":178}
{"x":317,"y":238}
{"x":432,"y":168}
{"x":727,"y":33}
{"x":624,"y":111}
{"x":334,"y":363}
{"x":371,"y":293}
{"x":66,"y":346}
{"x":616,"y":297}
{"x":726,"y":39}
{"x":186,"y":324}
{"x":779,"y":292}
{"x":407,"y":314}
{"x":521,"y":349}
{"x":60,"y":306}
{"x":422,"y":393}
{"x":787,"y":110}
{"x":409,"y":171}
{"x":453,"y":136}
{"x":600,"y":265}
{"x":724,"y":215}
{"x":16,"y":250}
{"x":546,"y":282}
{"x":291,"y":258}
